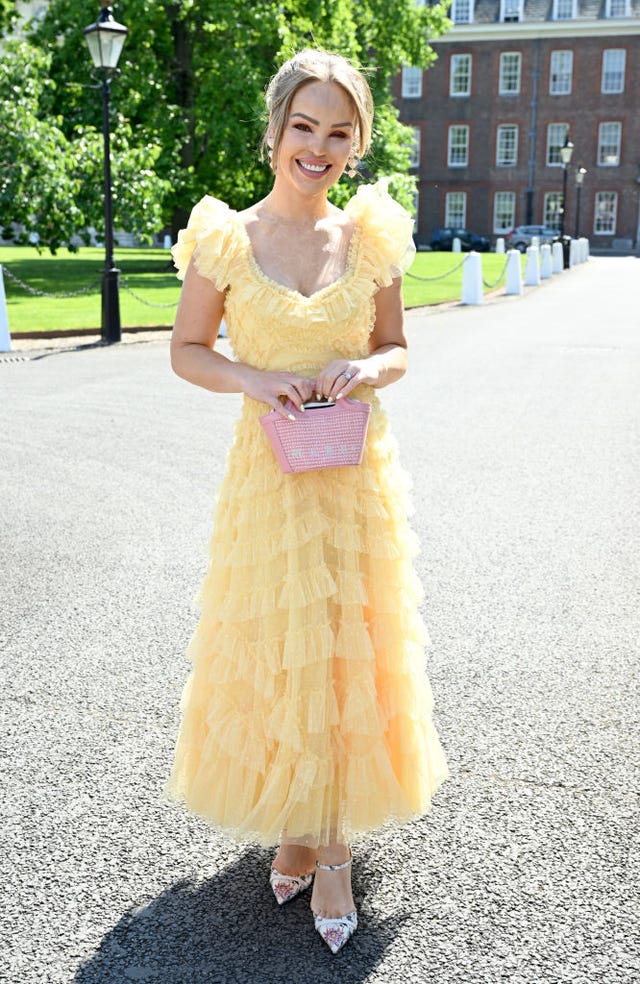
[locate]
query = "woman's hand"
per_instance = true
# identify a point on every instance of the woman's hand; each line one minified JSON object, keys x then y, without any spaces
{"x":342,"y":375}
{"x":267,"y":387}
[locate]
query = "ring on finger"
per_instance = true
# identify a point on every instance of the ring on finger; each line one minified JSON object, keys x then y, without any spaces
{"x":348,"y":375}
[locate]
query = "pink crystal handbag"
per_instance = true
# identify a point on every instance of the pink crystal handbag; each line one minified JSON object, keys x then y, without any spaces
{"x":326,"y":435}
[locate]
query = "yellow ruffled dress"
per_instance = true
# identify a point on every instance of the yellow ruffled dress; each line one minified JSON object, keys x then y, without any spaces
{"x":307,"y":711}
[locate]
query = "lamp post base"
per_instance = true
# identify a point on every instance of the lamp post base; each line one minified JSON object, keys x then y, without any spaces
{"x":110,"y":306}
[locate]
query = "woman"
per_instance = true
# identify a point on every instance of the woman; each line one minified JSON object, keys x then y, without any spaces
{"x":307,"y":713}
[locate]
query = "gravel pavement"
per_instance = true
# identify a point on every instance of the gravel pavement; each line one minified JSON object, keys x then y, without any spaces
{"x":520,"y":423}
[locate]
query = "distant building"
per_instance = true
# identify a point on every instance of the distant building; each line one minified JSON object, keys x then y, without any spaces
{"x":513,"y":80}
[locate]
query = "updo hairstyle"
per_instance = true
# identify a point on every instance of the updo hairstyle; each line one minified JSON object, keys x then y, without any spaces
{"x":315,"y":65}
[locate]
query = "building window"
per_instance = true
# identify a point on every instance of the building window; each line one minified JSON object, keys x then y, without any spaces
{"x":617,"y":8}
{"x":460,"y":75}
{"x":507,"y":145}
{"x":605,"y":213}
{"x":461,"y":12}
{"x":411,"y":82}
{"x":511,"y":10}
{"x":556,"y":135}
{"x":416,"y":134}
{"x":458,"y":150}
{"x":609,"y":140}
{"x":504,"y":211}
{"x":552,"y":216}
{"x":455,"y":209}
{"x":561,"y":70}
{"x":510,"y":71}
{"x":564,"y":9}
{"x":613,"y":66}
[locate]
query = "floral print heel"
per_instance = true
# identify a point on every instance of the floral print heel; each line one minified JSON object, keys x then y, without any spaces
{"x":339,"y":930}
{"x":286,"y":887}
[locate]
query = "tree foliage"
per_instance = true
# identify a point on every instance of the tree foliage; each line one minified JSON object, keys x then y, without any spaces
{"x":193,"y":74}
{"x":51,"y":176}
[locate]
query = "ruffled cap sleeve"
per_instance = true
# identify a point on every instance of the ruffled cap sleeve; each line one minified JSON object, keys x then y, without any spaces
{"x":388,"y":230}
{"x":213,"y":239}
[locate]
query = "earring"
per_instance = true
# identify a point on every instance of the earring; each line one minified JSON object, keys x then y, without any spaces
{"x":352,"y":165}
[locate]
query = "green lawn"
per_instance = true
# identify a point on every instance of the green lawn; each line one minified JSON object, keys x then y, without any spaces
{"x":448,"y":288}
{"x":146,"y":272}
{"x":143,"y":270}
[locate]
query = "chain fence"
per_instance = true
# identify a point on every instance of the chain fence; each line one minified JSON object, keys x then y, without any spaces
{"x":490,"y":286}
{"x":441,"y":276}
{"x":94,"y":287}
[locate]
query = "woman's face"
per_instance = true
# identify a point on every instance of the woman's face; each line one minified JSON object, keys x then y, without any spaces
{"x":317,"y":137}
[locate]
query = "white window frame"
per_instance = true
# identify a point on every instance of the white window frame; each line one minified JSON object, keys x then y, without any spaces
{"x":551,"y":129}
{"x":454,"y":129}
{"x":416,"y":134}
{"x":619,"y":72}
{"x":602,"y":210}
{"x":504,"y":55}
{"x":612,"y":8}
{"x":559,"y":14}
{"x":502,"y":144}
{"x":511,"y":11}
{"x":461,"y":12}
{"x":499,"y":198}
{"x":457,"y":60}
{"x":561,"y":72}
{"x":411,"y":82}
{"x":606,"y":143}
{"x":449,"y":199}
{"x":552,"y":213}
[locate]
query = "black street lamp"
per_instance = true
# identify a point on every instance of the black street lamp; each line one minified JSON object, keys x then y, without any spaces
{"x":105,"y":40}
{"x":580,"y":173}
{"x":565,"y":156}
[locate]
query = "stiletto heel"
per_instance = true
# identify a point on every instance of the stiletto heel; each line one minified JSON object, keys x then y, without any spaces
{"x":286,"y":887}
{"x":336,"y":932}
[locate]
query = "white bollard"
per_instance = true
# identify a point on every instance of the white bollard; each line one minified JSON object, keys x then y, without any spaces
{"x":500,"y":244}
{"x":546,"y":268}
{"x":513,"y":272}
{"x":557,"y":264}
{"x":532,"y":269}
{"x":535,"y":241}
{"x":456,"y":245}
{"x":586,"y":248}
{"x":472,"y":279}
{"x":5,"y":337}
{"x":167,"y":242}
{"x":572,"y":253}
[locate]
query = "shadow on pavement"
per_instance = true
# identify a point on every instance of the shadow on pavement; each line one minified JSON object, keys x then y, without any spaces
{"x":229,"y":929}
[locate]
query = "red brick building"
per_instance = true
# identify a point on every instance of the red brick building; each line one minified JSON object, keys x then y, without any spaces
{"x":514,"y":79}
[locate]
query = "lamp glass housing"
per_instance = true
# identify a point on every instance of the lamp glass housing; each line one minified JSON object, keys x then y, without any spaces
{"x":580,"y":173}
{"x":105,"y":40}
{"x":566,"y":153}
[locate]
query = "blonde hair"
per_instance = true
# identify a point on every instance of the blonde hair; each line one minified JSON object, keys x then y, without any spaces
{"x":316,"y":65}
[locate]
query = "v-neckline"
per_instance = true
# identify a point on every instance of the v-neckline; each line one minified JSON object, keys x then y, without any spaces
{"x":283,"y":288}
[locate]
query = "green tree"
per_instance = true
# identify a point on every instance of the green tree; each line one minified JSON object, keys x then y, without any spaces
{"x":50,"y":178}
{"x":194,"y":73}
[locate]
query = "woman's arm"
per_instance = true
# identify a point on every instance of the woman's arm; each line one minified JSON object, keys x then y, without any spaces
{"x":193,"y":356}
{"x":387,"y":345}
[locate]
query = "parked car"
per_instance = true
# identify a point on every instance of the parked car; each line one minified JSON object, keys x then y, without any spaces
{"x":443,"y":239}
{"x":521,"y":236}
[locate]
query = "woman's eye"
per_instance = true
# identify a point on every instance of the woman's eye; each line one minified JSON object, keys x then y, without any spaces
{"x":301,"y":126}
{"x":339,"y":134}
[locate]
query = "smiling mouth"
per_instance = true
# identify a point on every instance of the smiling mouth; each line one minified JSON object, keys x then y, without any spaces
{"x":315,"y":169}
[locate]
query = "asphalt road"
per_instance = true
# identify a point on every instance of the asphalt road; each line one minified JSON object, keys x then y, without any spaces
{"x":519,"y":421}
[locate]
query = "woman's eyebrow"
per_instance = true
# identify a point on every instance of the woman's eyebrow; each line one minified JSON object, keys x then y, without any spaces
{"x":310,"y":119}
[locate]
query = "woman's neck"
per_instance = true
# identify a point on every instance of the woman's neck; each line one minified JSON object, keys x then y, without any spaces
{"x":289,"y":206}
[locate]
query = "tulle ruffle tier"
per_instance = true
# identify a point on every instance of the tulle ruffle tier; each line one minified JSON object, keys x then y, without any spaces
{"x":308,"y":710}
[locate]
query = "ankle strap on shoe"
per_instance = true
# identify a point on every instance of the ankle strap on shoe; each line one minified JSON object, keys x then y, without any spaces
{"x":334,"y":867}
